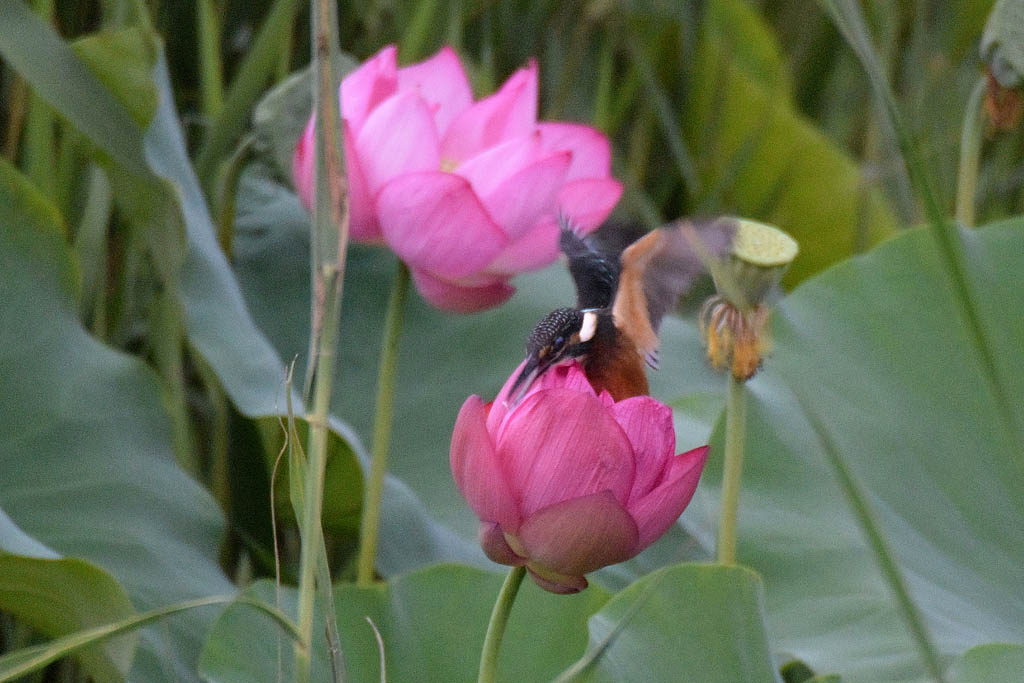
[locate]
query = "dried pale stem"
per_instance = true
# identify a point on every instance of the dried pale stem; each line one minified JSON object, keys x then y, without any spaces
{"x":329,"y":242}
{"x":496,"y":626}
{"x":381,"y":426}
{"x":735,"y":427}
{"x":313,"y":486}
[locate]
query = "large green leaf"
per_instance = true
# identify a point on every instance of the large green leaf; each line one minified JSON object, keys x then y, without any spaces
{"x":15,"y":665}
{"x":160,"y":191}
{"x":218,"y":323}
{"x":999,"y":663}
{"x":761,"y":158}
{"x":343,"y":479}
{"x":877,"y":350}
{"x":686,"y":622}
{"x":61,"y":596}
{"x":85,"y":454}
{"x":36,"y":52}
{"x":15,"y":541}
{"x":122,"y":61}
{"x":232,"y":336}
{"x":432,"y":623}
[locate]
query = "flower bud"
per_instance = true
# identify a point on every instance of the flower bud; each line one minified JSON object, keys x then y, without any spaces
{"x":567,"y":481}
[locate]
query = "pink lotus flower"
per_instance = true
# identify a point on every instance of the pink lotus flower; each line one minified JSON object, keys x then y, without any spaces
{"x":466,"y":193}
{"x":568,"y":481}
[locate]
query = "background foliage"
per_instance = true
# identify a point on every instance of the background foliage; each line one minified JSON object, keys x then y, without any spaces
{"x":155,"y":279}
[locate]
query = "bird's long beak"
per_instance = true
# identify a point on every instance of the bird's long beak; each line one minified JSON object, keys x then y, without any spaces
{"x":534,"y":368}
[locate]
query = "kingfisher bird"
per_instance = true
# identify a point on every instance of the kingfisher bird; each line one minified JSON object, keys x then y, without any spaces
{"x":620,"y":301}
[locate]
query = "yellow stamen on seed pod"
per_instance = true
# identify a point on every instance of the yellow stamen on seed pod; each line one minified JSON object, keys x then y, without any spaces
{"x":734,"y":323}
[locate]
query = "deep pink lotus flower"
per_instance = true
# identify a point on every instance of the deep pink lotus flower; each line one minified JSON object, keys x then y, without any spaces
{"x":466,"y":193}
{"x":568,"y":481}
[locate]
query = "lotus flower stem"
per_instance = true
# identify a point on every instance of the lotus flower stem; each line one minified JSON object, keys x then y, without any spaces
{"x":496,"y":626}
{"x":735,"y":426}
{"x":970,"y":155}
{"x":381,"y":426}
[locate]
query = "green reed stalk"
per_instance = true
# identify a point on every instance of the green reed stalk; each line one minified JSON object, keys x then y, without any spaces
{"x":329,"y":241}
{"x":735,"y":428}
{"x":381,"y":426}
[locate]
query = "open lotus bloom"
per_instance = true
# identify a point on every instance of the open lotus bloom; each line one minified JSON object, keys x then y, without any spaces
{"x":568,"y":481}
{"x":466,"y":193}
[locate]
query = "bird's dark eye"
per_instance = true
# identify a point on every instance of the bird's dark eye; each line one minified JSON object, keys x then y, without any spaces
{"x":559,"y":341}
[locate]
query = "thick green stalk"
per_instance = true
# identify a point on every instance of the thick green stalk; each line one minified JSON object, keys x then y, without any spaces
{"x":259,"y":65}
{"x":667,"y":118}
{"x":970,"y":156}
{"x":605,"y":80}
{"x":217,"y":471}
{"x":227,"y":194}
{"x":284,"y":61}
{"x":167,"y":341}
{"x":17,"y":98}
{"x":381,"y":426}
{"x":211,"y":71}
{"x":326,"y":592}
{"x":496,"y":626}
{"x":416,"y":39}
{"x":91,"y":246}
{"x":71,"y":166}
{"x":38,"y":147}
{"x":38,"y":155}
{"x":735,"y":428}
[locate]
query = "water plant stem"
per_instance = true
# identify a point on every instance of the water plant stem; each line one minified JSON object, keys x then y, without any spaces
{"x":381,"y":426}
{"x":248,"y":84}
{"x":735,"y":427}
{"x":329,"y":242}
{"x":496,"y":626}
{"x":313,"y":487}
{"x":211,"y":70}
{"x":970,"y":156}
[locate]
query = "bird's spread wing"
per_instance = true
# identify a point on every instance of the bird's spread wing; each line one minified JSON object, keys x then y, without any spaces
{"x":658,"y":269}
{"x":595,"y":273}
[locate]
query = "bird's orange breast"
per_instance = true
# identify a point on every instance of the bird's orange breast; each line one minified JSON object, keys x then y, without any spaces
{"x":617,"y":368}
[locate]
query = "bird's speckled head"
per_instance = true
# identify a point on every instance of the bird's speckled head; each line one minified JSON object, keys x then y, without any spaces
{"x":563,"y":334}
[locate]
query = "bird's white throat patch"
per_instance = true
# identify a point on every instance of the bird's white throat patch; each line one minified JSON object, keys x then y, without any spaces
{"x":589,"y":326}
